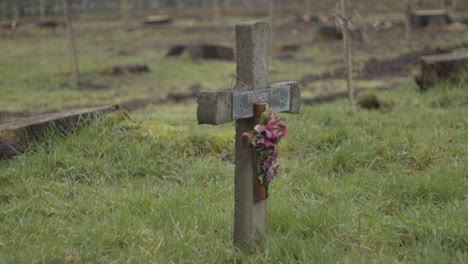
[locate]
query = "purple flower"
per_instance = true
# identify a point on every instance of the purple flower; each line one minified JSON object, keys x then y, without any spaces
{"x":270,"y":166}
{"x":270,"y":132}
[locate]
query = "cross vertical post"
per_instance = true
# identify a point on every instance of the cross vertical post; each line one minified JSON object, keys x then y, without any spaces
{"x":246,"y":101}
{"x":250,"y":221}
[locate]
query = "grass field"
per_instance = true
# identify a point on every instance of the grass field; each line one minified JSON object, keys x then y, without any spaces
{"x":380,"y":186}
{"x":368,"y":187}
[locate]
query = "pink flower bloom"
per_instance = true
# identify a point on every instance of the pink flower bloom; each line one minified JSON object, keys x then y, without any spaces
{"x":271,"y":132}
{"x":266,"y":142}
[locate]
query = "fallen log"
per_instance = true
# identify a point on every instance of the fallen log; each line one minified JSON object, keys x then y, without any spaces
{"x":442,"y":66}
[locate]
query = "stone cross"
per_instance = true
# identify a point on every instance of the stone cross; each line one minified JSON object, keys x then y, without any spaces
{"x":221,"y":107}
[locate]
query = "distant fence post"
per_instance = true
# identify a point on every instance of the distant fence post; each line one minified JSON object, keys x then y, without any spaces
{"x":408,"y":11}
{"x":348,"y":56}
{"x":250,"y":6}
{"x":71,"y":42}
{"x":308,"y":7}
{"x":42,"y":9}
{"x":56,"y":10}
{"x":216,"y":11}
{"x":85,"y":7}
{"x":4,"y":11}
{"x":124,"y":13}
{"x":14,"y":11}
{"x":271,"y":22}
{"x":454,"y":5}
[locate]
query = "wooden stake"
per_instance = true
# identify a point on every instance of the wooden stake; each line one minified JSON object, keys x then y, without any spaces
{"x":216,"y":12}
{"x":124,"y":11}
{"x":71,"y":43}
{"x":250,"y":6}
{"x":4,"y":11}
{"x":15,"y":11}
{"x":271,"y":23}
{"x":348,"y":55}
{"x":409,"y":10}
{"x":85,"y":5}
{"x":308,"y":7}
{"x":42,"y":9}
{"x":56,"y":7}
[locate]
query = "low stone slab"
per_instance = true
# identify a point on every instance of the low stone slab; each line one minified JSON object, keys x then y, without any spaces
{"x":428,"y":18}
{"x":442,"y":66}
{"x":16,"y":136}
{"x":158,"y":20}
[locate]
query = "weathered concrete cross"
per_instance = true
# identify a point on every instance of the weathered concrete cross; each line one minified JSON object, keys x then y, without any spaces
{"x":221,"y":107}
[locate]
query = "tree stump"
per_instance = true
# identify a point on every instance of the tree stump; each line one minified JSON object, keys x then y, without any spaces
{"x":428,"y":18}
{"x":442,"y":66}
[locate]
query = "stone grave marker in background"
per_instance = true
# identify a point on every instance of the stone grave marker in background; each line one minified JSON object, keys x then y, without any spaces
{"x":252,"y":88}
{"x":441,"y":66}
{"x":16,"y":136}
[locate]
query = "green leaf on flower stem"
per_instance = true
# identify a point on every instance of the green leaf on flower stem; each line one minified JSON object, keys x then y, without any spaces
{"x":263,"y":180}
{"x":264,"y":117}
{"x":257,"y":128}
{"x":261,"y":177}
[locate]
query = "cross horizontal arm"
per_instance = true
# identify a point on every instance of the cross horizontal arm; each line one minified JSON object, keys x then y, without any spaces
{"x":294,"y":96}
{"x":216,"y":108}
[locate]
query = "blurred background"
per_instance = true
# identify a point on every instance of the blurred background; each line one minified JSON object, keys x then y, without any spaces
{"x":59,"y":54}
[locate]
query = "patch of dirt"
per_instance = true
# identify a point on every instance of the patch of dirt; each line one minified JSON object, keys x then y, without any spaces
{"x":170,"y":98}
{"x":88,"y":84}
{"x":376,"y":68}
{"x":130,"y":69}
{"x":339,"y":95}
{"x":7,"y":116}
{"x":206,"y":51}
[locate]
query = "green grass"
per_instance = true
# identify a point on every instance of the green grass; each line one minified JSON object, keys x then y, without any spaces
{"x":363,"y":187}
